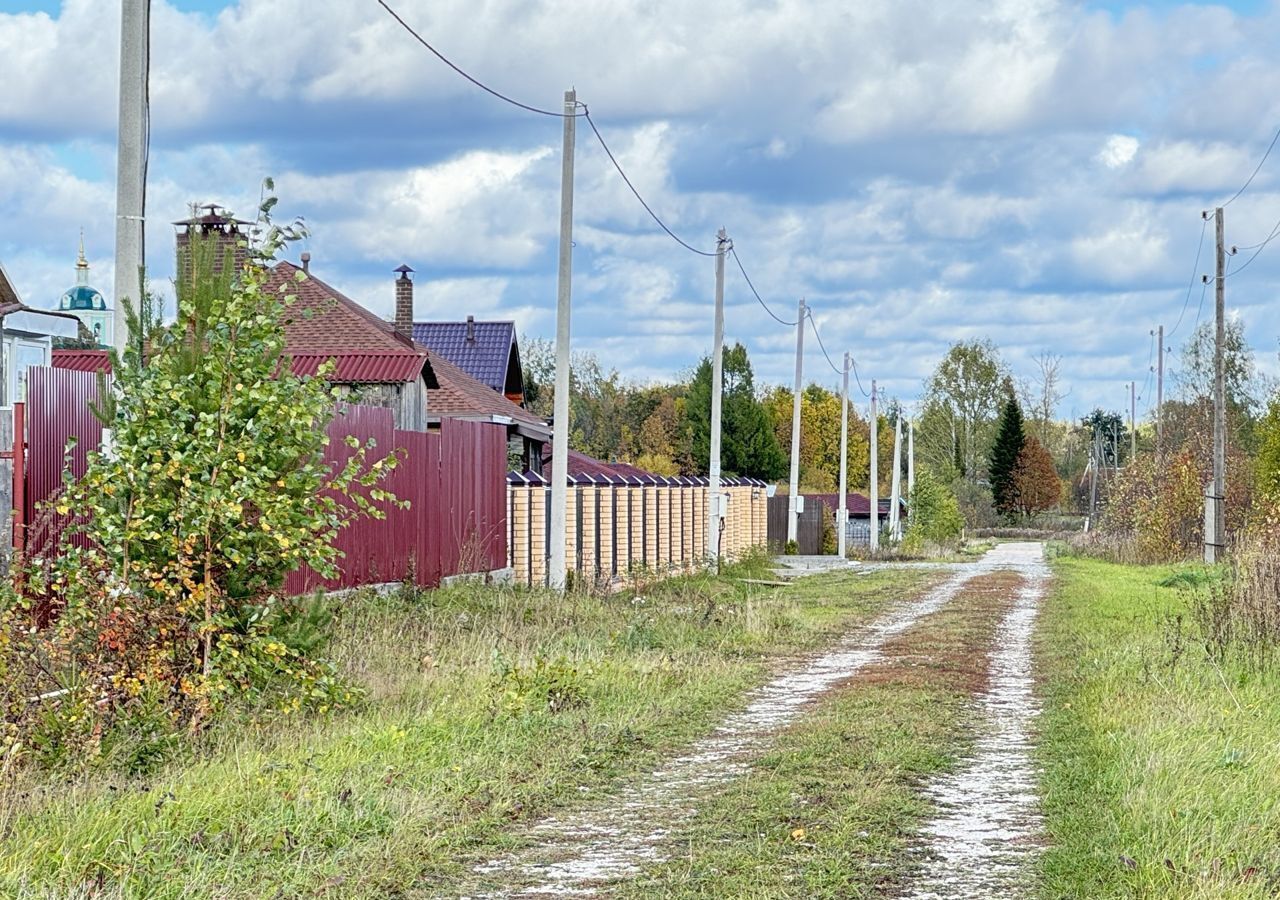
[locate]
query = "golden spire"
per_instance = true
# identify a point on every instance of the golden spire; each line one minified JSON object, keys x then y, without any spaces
{"x":82,"y":263}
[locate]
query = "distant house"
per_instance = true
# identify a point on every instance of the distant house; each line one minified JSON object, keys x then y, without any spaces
{"x":26,"y":339}
{"x":859,"y":507}
{"x":487,"y":351}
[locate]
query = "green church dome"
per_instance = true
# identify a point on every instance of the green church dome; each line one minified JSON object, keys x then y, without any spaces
{"x":82,"y":297}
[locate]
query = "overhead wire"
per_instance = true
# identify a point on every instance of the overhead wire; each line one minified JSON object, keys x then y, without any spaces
{"x":1256,"y":248}
{"x":1258,"y":169}
{"x":476,"y":81}
{"x":821,"y":346}
{"x":781,"y":321}
{"x":647,"y":208}
{"x":1195,"y":267}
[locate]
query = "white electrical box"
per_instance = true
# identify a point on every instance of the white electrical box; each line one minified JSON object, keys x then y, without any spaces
{"x":799,"y":503}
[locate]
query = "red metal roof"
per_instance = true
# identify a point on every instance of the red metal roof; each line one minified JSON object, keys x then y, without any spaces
{"x":82,"y":360}
{"x":368,"y":367}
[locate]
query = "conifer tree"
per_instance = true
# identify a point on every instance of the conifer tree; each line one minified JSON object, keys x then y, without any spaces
{"x":1004,"y":457}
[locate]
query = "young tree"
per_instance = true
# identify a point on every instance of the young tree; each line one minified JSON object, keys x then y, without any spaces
{"x":962,"y":398}
{"x":1036,"y":486}
{"x":1004,"y":457}
{"x":935,"y":514}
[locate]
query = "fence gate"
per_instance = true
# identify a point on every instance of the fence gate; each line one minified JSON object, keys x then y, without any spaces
{"x":808,"y":529}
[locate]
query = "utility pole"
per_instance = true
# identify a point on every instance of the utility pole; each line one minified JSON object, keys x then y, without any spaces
{"x":842,"y":512}
{"x":895,"y":483}
{"x":717,"y":391}
{"x":911,"y":464}
{"x":793,"y":506}
{"x":556,"y":569}
{"x":1214,"y":545}
{"x":131,"y":140}
{"x":1133,"y":421}
{"x":1159,"y":391}
{"x":875,"y":474}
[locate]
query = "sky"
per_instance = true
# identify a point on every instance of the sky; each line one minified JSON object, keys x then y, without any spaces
{"x":1027,"y":171}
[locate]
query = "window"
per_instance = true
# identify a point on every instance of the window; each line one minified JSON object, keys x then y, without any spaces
{"x":24,"y":355}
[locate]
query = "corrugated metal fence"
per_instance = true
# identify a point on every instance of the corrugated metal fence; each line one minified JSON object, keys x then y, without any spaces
{"x":454,"y":480}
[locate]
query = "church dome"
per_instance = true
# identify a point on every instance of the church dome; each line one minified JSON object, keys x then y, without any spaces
{"x":82,"y":297}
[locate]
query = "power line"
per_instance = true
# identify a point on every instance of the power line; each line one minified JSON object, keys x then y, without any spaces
{"x":477,"y":82}
{"x":854,"y":363}
{"x":759,"y":299}
{"x":647,"y":208}
{"x":814,"y":325}
{"x":1204,"y":224}
{"x":1255,"y":171}
{"x":1256,"y":248}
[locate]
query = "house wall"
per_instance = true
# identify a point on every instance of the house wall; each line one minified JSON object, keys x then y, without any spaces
{"x":407,"y":401}
{"x":612,"y":531}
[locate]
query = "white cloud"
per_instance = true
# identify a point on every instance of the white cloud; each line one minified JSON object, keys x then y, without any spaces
{"x":1118,"y":151}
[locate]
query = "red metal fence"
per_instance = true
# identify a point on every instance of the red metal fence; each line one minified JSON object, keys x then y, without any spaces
{"x":454,"y":480}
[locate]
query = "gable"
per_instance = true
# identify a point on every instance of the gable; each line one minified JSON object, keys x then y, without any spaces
{"x":486,"y":355}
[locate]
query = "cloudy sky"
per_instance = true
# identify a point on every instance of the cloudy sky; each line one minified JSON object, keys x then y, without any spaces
{"x":1025,"y":170}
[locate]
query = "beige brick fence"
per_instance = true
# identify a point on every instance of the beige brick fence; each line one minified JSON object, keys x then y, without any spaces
{"x":619,"y":526}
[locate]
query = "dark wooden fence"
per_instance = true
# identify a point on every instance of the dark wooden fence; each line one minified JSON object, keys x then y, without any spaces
{"x":808,"y":529}
{"x":453,"y":478}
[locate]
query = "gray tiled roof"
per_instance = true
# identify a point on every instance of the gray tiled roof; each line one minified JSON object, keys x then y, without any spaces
{"x":485,"y":358}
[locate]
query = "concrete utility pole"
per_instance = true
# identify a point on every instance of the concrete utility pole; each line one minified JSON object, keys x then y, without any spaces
{"x":1159,"y":391}
{"x":556,"y":568}
{"x":895,"y":483}
{"x":911,"y":464}
{"x":842,"y":513}
{"x":793,"y":506}
{"x":1216,"y":515}
{"x":131,"y":140}
{"x":717,"y":391}
{"x":1133,"y":414}
{"x":875,"y":474}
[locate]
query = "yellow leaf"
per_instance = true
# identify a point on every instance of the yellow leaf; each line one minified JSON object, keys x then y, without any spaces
{"x":798,"y":834}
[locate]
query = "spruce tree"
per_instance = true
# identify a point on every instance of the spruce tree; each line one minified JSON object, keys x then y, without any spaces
{"x":1004,"y":457}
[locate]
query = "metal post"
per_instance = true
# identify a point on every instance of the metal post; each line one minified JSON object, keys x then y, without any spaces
{"x":1213,"y":547}
{"x":560,"y":456}
{"x":131,"y":138}
{"x":793,"y":511}
{"x":842,"y":512}
{"x":875,"y":474}
{"x":19,"y":481}
{"x":717,"y":392}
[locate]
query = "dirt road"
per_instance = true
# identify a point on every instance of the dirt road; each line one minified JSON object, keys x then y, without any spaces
{"x":985,"y":826}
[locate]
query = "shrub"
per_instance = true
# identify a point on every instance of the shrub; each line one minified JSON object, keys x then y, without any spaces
{"x":214,"y":488}
{"x":935,"y":514}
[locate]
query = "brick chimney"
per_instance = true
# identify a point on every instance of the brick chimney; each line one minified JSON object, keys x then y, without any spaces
{"x":217,"y":237}
{"x":404,"y":303}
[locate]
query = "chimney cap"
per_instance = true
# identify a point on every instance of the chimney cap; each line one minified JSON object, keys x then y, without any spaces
{"x":404,"y":270}
{"x":306,"y":260}
{"x":215,"y":215}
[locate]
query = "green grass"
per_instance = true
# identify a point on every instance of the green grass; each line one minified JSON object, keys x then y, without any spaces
{"x":446,"y":759}
{"x":832,"y":809}
{"x":1161,"y":771}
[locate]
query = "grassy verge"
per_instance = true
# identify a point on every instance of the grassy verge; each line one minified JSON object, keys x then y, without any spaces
{"x":487,"y":708}
{"x":832,"y":810}
{"x":1161,"y":770}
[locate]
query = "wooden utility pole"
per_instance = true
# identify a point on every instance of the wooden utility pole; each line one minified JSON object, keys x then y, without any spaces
{"x":1215,"y":514}
{"x":557,"y":568}
{"x":1159,"y":391}
{"x":131,"y":149}
{"x":793,"y":504}
{"x":842,"y":513}
{"x":875,"y":474}
{"x":717,"y":394}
